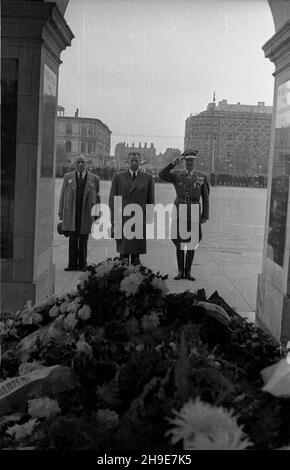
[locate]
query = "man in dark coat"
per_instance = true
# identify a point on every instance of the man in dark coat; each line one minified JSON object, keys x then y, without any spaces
{"x":189,"y":185}
{"x":135,"y":187}
{"x":80,"y":192}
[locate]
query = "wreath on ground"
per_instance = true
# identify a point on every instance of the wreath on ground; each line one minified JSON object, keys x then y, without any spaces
{"x":122,"y":363}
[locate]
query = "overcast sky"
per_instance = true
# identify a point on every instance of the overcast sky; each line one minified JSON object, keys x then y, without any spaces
{"x":142,"y":66}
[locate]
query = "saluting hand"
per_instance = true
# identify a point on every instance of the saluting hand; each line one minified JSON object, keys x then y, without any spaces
{"x":177,"y":160}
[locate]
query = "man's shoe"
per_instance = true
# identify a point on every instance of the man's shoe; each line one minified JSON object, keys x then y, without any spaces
{"x":188,"y":276}
{"x":69,"y":268}
{"x":82,"y":268}
{"x":179,"y":276}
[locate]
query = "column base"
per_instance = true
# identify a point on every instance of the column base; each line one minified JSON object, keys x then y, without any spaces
{"x":273,"y":310}
{"x":13,"y":293}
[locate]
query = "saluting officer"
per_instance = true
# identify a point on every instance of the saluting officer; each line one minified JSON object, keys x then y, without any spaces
{"x":190,"y":185}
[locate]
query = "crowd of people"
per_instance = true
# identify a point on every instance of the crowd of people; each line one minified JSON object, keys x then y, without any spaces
{"x":219,"y":179}
{"x":224,"y":179}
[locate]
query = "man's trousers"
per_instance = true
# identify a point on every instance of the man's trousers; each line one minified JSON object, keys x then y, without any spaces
{"x":78,"y":244}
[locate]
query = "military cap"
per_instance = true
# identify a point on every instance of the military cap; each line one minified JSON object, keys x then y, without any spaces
{"x":189,"y":153}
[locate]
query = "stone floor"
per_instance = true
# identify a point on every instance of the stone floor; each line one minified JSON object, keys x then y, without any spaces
{"x":228,"y":258}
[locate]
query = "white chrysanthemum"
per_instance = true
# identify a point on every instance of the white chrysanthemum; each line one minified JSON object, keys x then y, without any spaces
{"x":43,"y":408}
{"x":2,"y":328}
{"x":74,"y":305}
{"x":131,"y":270}
{"x":108,"y":418}
{"x":159,"y":284}
{"x":150,"y":321}
{"x":6,"y":327}
{"x":28,"y":367}
{"x":63,"y":307}
{"x":199,"y":424}
{"x":130,"y":284}
{"x":83,"y":347}
{"x":139,"y":347}
{"x":105,"y":268}
{"x":20,"y":431}
{"x":85,"y":312}
{"x":54,"y":311}
{"x":223,"y":441}
{"x":70,"y":321}
{"x":50,"y":301}
{"x":26,"y":318}
{"x":84,"y":276}
{"x":73,"y":293}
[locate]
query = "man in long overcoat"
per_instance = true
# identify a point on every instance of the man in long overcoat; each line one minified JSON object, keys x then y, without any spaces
{"x":190,"y":185}
{"x":136,"y":187}
{"x":79,"y":193}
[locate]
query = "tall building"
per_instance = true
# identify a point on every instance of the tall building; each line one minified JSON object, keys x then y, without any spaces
{"x":77,"y":134}
{"x":231,"y":138}
{"x":122,"y":150}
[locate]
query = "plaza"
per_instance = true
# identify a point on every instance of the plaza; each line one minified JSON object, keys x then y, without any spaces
{"x":228,"y":258}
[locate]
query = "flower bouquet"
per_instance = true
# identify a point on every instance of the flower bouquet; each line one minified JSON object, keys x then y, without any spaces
{"x":108,"y":365}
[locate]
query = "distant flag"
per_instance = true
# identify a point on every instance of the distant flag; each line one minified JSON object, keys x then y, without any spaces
{"x":213,"y":99}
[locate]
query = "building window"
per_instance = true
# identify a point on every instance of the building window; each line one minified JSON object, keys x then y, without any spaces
{"x":68,"y":128}
{"x":68,"y":146}
{"x":83,"y":146}
{"x":84,"y":130}
{"x":90,"y":131}
{"x":92,"y":147}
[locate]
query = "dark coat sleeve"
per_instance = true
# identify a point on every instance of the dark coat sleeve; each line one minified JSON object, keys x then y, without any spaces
{"x":207,"y":184}
{"x":97,"y":186}
{"x":97,"y":198}
{"x":150,"y":200}
{"x":150,"y":193}
{"x":205,"y":200}
{"x":62,"y":196}
{"x":167,"y":174}
{"x":113,"y":193}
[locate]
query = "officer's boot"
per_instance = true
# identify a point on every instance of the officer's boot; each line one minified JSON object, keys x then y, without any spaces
{"x":180,"y":264}
{"x":188,"y":263}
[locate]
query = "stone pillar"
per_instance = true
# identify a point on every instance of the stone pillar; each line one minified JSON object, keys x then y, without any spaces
{"x":273,"y":296}
{"x":33,"y":35}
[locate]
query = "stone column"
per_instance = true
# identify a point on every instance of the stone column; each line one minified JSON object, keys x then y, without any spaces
{"x":273,"y":296}
{"x":33,"y":35}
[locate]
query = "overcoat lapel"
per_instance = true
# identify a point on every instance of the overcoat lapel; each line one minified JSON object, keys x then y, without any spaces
{"x":74,"y":181}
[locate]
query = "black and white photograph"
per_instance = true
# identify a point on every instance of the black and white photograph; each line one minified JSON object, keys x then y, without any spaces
{"x":145,"y":229}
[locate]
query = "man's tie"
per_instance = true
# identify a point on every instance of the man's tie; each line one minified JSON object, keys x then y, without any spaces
{"x":134,"y":175}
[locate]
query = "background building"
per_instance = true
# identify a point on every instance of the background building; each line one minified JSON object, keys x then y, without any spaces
{"x":231,"y":138}
{"x":122,"y":150}
{"x":77,"y":134}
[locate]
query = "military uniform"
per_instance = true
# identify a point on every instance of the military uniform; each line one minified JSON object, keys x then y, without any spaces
{"x":189,"y":187}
